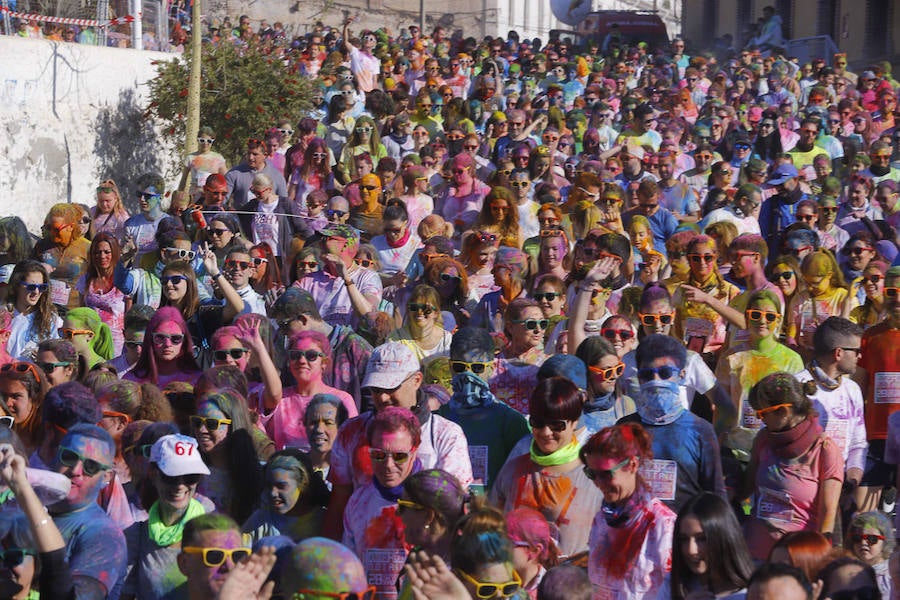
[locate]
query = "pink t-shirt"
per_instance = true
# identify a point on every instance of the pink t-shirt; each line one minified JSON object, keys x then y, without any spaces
{"x":285,"y":424}
{"x":787,"y":492}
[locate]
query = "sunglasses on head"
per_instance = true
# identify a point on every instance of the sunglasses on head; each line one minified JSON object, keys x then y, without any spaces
{"x":310,"y":355}
{"x":664,"y":372}
{"x":611,"y":334}
{"x":180,"y":253}
{"x":556,"y":425}
{"x":70,"y":458}
{"x":461,"y":366}
{"x":489,"y":590}
{"x":21,"y":368}
{"x":215,"y":557}
{"x":210,"y":423}
{"x":161,"y":338}
{"x":379,"y":455}
{"x":754,"y":314}
{"x":423,"y":308}
{"x":235,"y":353}
{"x":650,"y":319}
{"x":533,"y":324}
{"x":103,"y":189}
{"x":610,"y":373}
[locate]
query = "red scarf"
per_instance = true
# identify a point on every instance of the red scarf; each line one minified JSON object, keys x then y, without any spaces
{"x":399,"y":243}
{"x":795,"y":441}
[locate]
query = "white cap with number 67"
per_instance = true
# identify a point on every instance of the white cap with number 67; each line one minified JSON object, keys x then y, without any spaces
{"x":176,"y":455}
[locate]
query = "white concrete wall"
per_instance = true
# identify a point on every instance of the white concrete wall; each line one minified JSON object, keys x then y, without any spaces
{"x":70,"y":116}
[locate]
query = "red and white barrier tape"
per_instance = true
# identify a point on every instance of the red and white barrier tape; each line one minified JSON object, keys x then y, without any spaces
{"x":70,"y":21}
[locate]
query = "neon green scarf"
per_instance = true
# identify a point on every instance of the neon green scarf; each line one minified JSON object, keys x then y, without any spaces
{"x":562,"y":456}
{"x":165,"y":535}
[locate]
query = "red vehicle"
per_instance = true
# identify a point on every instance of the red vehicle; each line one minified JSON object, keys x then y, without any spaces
{"x":631,"y":27}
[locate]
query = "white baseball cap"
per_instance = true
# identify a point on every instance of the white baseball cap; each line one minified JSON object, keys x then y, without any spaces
{"x":178,"y":454}
{"x":389,"y":366}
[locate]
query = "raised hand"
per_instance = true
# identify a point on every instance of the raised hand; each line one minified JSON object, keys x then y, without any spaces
{"x":247,"y":581}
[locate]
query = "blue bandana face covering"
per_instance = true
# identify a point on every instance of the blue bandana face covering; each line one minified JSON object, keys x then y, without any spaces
{"x":659,"y":402}
{"x":470,"y":391}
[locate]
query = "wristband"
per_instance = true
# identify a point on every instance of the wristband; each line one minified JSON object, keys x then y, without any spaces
{"x":216,"y":276}
{"x":348,"y":282}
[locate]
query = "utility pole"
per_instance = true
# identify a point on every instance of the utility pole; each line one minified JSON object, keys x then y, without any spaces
{"x":192,"y":126}
{"x":422,"y":17}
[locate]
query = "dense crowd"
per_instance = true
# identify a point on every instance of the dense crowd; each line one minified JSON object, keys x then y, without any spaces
{"x":504,"y":319}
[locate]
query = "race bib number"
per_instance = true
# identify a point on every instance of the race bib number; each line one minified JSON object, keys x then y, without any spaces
{"x":696,"y":333}
{"x":59,"y":292}
{"x":383,"y":566}
{"x":662,"y":477}
{"x":478,"y":455}
{"x":887,"y":388}
{"x":838,"y":430}
{"x":774,"y":506}
{"x":748,"y":416}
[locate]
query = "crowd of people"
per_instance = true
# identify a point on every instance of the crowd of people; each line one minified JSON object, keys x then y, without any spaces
{"x":498,"y":319}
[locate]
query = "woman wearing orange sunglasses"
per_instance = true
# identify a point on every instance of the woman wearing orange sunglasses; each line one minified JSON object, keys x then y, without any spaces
{"x":750,"y":361}
{"x":795,"y":471}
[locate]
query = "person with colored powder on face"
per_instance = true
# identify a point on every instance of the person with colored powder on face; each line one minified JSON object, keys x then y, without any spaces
{"x":308,"y":356}
{"x":140,"y":229}
{"x":795,"y":470}
{"x":393,"y":378}
{"x":64,"y":253}
{"x":492,"y":427}
{"x":95,"y":546}
{"x":685,"y":450}
{"x":343,"y":290}
{"x":372,"y":528}
{"x":154,"y":544}
{"x":550,"y":478}
{"x":211,"y":545}
{"x":632,"y":534}
{"x":242,"y":345}
{"x":824,"y":296}
{"x":319,"y":568}
{"x":748,"y":362}
{"x":293,"y":500}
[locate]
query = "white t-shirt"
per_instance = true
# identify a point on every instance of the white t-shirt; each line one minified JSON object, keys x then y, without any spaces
{"x":265,"y":227}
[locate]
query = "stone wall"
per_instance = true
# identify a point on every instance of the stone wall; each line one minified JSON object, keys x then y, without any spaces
{"x":71,"y":116}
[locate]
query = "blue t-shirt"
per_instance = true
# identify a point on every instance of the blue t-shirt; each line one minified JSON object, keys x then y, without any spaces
{"x":95,"y":548}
